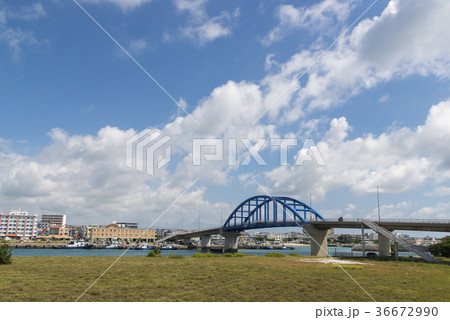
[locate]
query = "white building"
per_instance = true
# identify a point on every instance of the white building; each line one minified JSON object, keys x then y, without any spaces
{"x":18,"y":224}
{"x":54,"y":219}
{"x":217,"y":237}
{"x":294,"y":235}
{"x":275,"y":236}
{"x":373,"y":236}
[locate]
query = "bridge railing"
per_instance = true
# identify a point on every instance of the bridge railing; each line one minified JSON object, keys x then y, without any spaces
{"x":328,"y":221}
{"x":428,"y":221}
{"x":268,"y":222}
{"x":425,"y":221}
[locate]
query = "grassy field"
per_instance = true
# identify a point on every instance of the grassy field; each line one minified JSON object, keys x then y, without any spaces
{"x":219,"y":279}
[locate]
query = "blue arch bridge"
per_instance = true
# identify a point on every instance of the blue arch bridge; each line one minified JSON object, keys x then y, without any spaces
{"x":273,"y":212}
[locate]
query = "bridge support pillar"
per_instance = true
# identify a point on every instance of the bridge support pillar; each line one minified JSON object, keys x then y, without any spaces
{"x":231,"y":242}
{"x":319,"y":242}
{"x":384,"y":246}
{"x":206,"y":242}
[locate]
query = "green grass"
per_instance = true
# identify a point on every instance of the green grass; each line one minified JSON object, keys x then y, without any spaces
{"x":175,"y":256}
{"x":275,"y":255}
{"x":249,"y":278}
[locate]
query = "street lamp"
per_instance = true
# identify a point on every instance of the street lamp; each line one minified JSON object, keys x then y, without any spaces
{"x":378,"y":197}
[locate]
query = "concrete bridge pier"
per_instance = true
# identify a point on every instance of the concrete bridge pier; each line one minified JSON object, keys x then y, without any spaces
{"x":206,"y":242}
{"x":319,"y":242}
{"x":384,"y":246}
{"x":231,"y":242}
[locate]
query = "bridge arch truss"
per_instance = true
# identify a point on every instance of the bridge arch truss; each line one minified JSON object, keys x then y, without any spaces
{"x":266,"y":212}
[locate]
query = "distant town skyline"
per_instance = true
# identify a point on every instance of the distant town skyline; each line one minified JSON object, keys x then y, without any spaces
{"x":61,"y":220}
{"x":369,"y":85}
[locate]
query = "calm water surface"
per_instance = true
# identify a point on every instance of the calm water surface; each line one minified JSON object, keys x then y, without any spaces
{"x":303,"y":250}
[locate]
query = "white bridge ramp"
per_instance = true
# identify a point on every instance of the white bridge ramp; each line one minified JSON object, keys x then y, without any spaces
{"x":406,"y":245}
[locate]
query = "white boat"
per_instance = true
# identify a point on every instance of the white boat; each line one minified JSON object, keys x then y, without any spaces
{"x":168,"y":247}
{"x":77,"y":245}
{"x":285,"y":248}
{"x":112,"y":246}
{"x":140,"y":246}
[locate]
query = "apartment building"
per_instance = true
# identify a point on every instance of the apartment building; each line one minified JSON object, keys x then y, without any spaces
{"x":115,"y":232}
{"x":18,"y":224}
{"x":54,"y":219}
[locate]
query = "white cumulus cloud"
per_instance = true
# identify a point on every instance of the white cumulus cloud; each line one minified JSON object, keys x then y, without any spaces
{"x":315,"y":18}
{"x":398,"y":161}
{"x":201,"y":28}
{"x":406,"y":39}
{"x":125,"y":5}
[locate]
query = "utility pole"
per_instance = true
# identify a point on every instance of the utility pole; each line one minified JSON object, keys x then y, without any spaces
{"x":221,"y":211}
{"x":363,"y":242}
{"x":378,"y":196}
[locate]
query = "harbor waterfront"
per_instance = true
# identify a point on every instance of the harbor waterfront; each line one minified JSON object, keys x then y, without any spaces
{"x":235,"y":234}
{"x":302,"y":250}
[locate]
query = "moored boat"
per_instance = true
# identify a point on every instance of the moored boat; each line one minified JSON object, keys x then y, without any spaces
{"x":285,"y":248}
{"x":77,"y":245}
{"x":168,"y":247}
{"x":142,"y":247}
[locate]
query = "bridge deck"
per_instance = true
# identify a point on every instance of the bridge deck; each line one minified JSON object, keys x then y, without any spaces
{"x":412,"y":225}
{"x":391,"y":225}
{"x":192,"y":234}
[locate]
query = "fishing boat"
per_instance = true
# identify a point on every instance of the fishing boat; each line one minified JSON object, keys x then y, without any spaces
{"x":168,"y":247}
{"x":77,"y":245}
{"x":142,"y":247}
{"x":286,"y":248}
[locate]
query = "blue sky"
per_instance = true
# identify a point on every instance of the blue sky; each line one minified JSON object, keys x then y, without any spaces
{"x":376,"y":104}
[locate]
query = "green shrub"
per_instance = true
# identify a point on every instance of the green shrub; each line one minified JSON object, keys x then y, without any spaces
{"x":275,"y":255}
{"x":154,"y":253}
{"x":295,"y":255}
{"x":204,"y":255}
{"x":228,"y":254}
{"x":233,"y":255}
{"x":239,"y":254}
{"x":5,"y":254}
